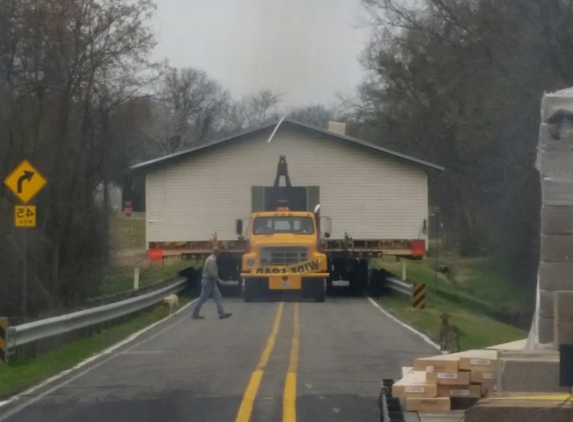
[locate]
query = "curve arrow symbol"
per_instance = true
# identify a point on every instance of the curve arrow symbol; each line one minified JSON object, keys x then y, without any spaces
{"x":26,"y":176}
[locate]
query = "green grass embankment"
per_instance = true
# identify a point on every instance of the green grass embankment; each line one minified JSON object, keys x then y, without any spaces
{"x":473,"y":292}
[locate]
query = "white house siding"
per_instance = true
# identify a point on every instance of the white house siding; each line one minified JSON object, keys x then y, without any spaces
{"x":366,"y":193}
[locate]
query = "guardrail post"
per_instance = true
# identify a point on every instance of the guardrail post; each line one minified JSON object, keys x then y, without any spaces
{"x":419,"y":296}
{"x":3,"y":340}
{"x":403,"y":261}
{"x":136,"y":279}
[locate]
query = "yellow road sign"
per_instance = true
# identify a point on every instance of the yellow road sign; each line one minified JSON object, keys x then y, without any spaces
{"x":25,"y":216}
{"x":25,"y":181}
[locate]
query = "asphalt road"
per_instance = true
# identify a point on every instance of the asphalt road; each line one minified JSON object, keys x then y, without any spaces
{"x":304,"y":361}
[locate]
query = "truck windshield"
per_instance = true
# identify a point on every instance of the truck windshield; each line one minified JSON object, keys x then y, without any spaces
{"x":280,"y":224}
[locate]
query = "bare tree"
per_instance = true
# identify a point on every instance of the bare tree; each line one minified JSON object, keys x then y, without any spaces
{"x":315,"y":115}
{"x":252,"y":111}
{"x":65,"y":66}
{"x":459,"y":83}
{"x":190,"y":108}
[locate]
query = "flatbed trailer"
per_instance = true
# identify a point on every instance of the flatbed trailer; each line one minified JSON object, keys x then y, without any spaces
{"x":344,"y":248}
{"x":349,"y":259}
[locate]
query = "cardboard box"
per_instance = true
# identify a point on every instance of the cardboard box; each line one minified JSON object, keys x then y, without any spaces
{"x":445,"y":363}
{"x":488,"y":387}
{"x":453,"y":362}
{"x":438,"y":404}
{"x":414,"y":384}
{"x":481,"y":376}
{"x":468,"y":391}
{"x":406,"y":370}
{"x":479,"y":360}
{"x":448,"y":378}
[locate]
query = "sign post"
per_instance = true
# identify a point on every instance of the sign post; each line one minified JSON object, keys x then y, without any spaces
{"x":3,"y":340}
{"x":25,"y":182}
{"x":25,"y":278}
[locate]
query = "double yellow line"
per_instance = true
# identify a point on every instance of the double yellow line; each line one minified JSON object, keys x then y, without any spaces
{"x":289,"y":396}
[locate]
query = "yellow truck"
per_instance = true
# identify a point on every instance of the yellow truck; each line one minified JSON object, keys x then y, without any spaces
{"x":284,"y":257}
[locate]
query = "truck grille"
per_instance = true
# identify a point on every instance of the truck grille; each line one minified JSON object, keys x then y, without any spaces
{"x":283,"y":255}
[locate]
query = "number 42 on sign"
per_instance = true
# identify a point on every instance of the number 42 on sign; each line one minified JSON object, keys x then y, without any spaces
{"x":25,"y":216}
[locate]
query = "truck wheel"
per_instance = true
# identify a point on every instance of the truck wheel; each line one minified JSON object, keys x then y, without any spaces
{"x":320,"y":291}
{"x":376,"y":283}
{"x":329,"y":286}
{"x":359,"y":277}
{"x":248,"y":290}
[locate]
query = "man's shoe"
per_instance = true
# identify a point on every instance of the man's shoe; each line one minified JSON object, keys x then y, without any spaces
{"x":225,"y":315}
{"x":197,"y":317}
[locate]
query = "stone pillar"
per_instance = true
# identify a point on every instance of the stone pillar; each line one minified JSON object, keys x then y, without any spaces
{"x":555,"y":165}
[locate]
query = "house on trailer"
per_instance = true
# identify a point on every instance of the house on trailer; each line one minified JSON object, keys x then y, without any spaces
{"x":368,"y":193}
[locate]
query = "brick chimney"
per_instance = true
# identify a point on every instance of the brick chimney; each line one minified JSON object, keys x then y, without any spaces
{"x":337,"y":127}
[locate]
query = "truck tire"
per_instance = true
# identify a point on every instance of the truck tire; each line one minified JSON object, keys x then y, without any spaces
{"x":329,"y":286}
{"x":376,"y":283}
{"x":364,"y":273}
{"x":248,"y":290}
{"x":320,"y":291}
{"x":359,"y":277}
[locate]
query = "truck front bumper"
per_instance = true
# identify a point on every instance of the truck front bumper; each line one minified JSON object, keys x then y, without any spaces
{"x":296,"y":286}
{"x":286,"y":281}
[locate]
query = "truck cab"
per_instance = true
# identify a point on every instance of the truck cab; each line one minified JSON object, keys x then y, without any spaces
{"x":284,"y":256}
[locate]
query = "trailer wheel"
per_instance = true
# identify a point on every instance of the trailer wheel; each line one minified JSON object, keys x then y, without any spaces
{"x":248,"y":290}
{"x":359,"y":280}
{"x":358,"y":277}
{"x":320,"y":291}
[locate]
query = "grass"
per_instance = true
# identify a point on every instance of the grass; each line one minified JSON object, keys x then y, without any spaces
{"x":20,"y":374}
{"x":477,"y":331}
{"x":475,"y":277}
{"x":128,"y":232}
{"x":121,"y":278}
{"x":472,"y":289}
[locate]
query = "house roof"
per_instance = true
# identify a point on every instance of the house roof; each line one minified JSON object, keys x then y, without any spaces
{"x":167,"y":159}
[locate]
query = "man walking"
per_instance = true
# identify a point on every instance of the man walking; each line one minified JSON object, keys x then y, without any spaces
{"x":209,"y":288}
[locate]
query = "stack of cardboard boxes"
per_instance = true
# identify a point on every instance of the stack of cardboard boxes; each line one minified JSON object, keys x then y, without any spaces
{"x":454,"y":381}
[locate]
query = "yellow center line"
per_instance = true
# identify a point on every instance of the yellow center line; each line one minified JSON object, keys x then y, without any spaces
{"x":246,"y":408}
{"x":289,"y":397}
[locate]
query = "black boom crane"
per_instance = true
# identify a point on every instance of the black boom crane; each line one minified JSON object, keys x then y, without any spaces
{"x":287,"y":196}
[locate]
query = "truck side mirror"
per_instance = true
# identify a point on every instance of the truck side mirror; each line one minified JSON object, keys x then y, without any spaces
{"x":239,"y":227}
{"x":327,"y":226}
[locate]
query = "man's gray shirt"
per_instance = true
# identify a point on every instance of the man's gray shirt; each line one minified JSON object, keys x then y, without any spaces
{"x":210,"y":269}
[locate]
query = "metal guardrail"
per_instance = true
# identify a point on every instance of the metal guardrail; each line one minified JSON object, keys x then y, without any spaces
{"x":50,"y":327}
{"x":400,"y":286}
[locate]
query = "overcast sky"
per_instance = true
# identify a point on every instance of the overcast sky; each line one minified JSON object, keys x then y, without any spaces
{"x":306,"y":49}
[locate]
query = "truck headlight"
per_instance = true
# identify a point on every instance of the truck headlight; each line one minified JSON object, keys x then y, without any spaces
{"x":250,"y":263}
